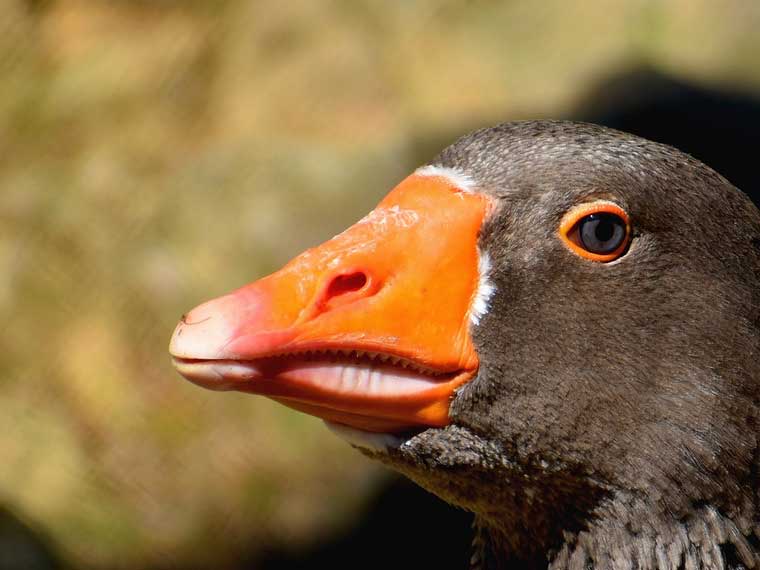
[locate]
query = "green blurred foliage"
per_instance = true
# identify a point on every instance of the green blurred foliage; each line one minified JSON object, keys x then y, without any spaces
{"x":154,"y":154}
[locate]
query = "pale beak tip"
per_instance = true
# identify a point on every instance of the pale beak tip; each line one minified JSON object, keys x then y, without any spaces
{"x":203,"y":333}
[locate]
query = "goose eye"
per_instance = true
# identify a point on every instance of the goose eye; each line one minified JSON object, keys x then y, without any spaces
{"x":599,"y":231}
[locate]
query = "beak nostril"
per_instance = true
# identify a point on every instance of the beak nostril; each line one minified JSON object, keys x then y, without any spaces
{"x":348,"y":283}
{"x":343,"y":288}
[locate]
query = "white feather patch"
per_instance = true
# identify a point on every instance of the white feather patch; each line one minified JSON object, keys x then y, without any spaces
{"x":454,"y":175}
{"x":486,"y":289}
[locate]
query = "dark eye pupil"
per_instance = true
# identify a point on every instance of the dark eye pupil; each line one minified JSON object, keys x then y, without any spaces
{"x":601,"y":233}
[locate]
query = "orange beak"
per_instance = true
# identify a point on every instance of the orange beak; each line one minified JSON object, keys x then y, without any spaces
{"x":370,"y":329}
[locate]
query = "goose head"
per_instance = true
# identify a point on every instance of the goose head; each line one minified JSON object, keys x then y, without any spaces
{"x":553,"y":325}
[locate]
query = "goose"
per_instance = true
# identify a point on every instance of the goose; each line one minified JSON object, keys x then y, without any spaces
{"x":553,"y":325}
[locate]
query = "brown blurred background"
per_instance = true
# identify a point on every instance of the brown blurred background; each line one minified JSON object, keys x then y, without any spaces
{"x":156,"y":153}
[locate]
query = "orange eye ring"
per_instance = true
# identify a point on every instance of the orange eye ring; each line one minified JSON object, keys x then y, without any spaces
{"x":570,"y":229}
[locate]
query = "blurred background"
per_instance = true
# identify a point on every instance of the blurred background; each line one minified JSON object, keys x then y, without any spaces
{"x":157,"y":153}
